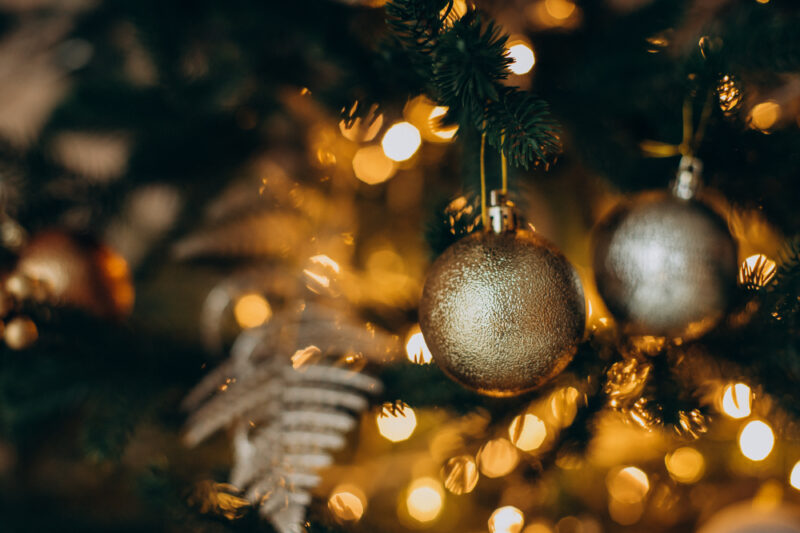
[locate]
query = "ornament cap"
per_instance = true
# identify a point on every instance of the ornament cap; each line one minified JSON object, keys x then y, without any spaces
{"x":502,"y":214}
{"x":688,"y":179}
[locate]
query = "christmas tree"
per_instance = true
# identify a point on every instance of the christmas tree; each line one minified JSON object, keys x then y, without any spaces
{"x":525,"y":266}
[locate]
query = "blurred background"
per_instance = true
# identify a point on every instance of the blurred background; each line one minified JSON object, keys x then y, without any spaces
{"x":176,"y":178}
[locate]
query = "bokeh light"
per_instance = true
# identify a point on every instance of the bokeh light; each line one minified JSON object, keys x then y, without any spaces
{"x":685,"y":465}
{"x":537,"y":528}
{"x":764,"y":115}
{"x":506,"y":519}
{"x":523,"y":56}
{"x":251,"y":310}
{"x":371,"y":165}
{"x":628,"y":484}
{"x":424,"y":499}
{"x":460,"y":474}
{"x":396,"y":422}
{"x":756,"y":440}
{"x":401,"y":141}
{"x":564,"y":406}
{"x":434,"y":119}
{"x":794,"y":477}
{"x":736,"y":400}
{"x":559,"y":9}
{"x":416,"y":349}
{"x":347,"y":503}
{"x":757,"y":269}
{"x":527,"y":432}
{"x":497,"y":458}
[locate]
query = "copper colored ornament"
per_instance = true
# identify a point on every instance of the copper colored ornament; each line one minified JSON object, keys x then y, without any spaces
{"x":78,"y":272}
{"x":665,"y":264}
{"x":20,"y":333}
{"x":502,"y":311}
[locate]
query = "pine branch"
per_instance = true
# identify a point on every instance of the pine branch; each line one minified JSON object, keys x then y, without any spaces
{"x":462,"y":64}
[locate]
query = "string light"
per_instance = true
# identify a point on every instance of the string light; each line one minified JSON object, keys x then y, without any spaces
{"x":685,"y":465}
{"x":756,"y":440}
{"x":559,"y":9}
{"x":757,"y":269}
{"x":425,"y":499}
{"x":522,"y":56}
{"x":416,"y":349}
{"x":736,"y":400}
{"x":251,"y":310}
{"x":401,"y":141}
{"x":506,"y":519}
{"x":527,"y":432}
{"x":396,"y":422}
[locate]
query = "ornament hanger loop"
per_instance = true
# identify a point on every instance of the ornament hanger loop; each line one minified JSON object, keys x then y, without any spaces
{"x":498,"y":215}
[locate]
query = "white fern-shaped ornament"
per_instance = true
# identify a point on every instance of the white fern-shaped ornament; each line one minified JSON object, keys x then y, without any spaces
{"x":289,"y":404}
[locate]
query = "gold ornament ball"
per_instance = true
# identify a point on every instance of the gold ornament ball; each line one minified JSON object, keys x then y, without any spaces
{"x":20,"y":333}
{"x":77,"y":271}
{"x":502,"y":313}
{"x":665,"y":266}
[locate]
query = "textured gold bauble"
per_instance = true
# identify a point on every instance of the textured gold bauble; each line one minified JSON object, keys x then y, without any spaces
{"x":502,"y":312}
{"x":665,"y":266}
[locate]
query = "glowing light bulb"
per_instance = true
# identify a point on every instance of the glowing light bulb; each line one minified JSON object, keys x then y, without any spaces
{"x":401,"y":141}
{"x":794,"y":477}
{"x":736,"y":400}
{"x":424,"y":499}
{"x":347,"y":503}
{"x":523,"y":57}
{"x":460,"y":474}
{"x":527,"y":432}
{"x":396,"y":423}
{"x":756,"y":440}
{"x":416,"y":349}
{"x":506,"y":519}
{"x":251,"y":310}
{"x":685,"y":465}
{"x":628,"y":485}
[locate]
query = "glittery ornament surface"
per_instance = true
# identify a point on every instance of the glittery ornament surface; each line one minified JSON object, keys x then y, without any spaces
{"x":665,"y":266}
{"x":502,"y":313}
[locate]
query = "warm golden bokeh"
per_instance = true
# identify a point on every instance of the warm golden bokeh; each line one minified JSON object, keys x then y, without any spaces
{"x":371,"y":165}
{"x":460,"y":474}
{"x":416,"y":349}
{"x":251,"y":310}
{"x":756,"y":440}
{"x":522,"y":55}
{"x":497,"y":458}
{"x":736,"y":399}
{"x":401,"y":141}
{"x":685,"y":465}
{"x":396,"y":422}
{"x":424,"y":499}
{"x":628,"y":484}
{"x":506,"y":519}
{"x":794,"y":476}
{"x":527,"y":432}
{"x":347,"y":503}
{"x":763,"y":116}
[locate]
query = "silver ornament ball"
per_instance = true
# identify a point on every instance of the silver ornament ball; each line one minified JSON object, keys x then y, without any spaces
{"x":502,"y":313}
{"x":665,"y":266}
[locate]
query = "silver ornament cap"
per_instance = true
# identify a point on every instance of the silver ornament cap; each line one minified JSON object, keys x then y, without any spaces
{"x":665,"y":264}
{"x":502,"y":311}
